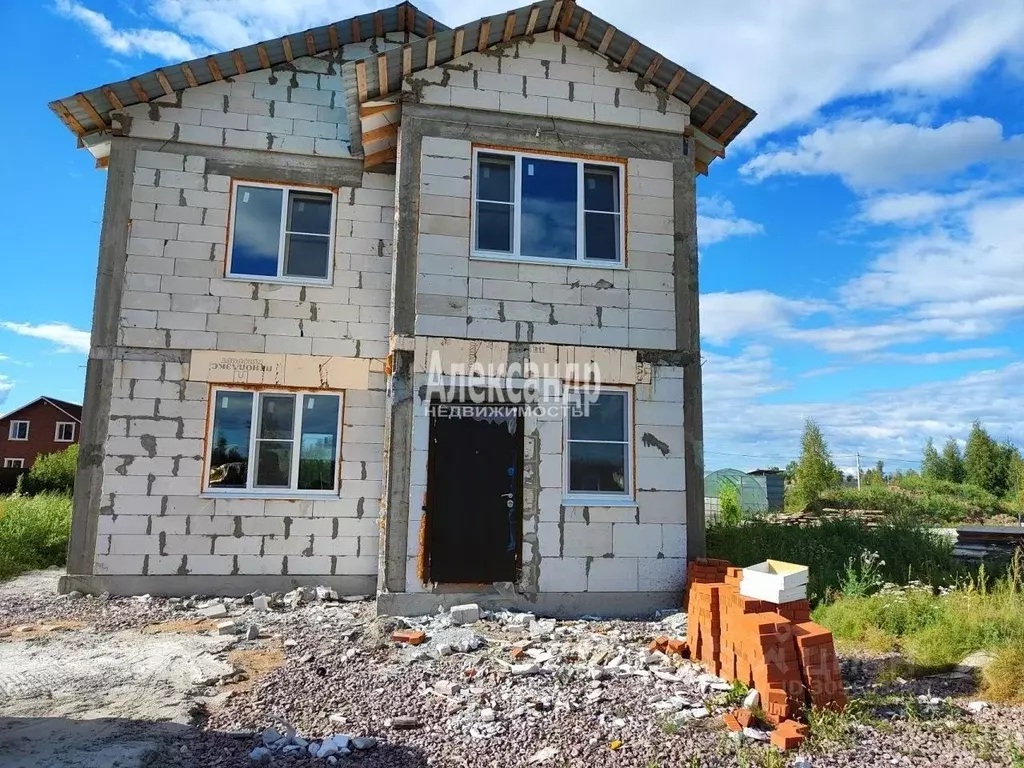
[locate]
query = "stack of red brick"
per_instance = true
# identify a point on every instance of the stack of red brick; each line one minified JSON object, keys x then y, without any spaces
{"x":777,"y":649}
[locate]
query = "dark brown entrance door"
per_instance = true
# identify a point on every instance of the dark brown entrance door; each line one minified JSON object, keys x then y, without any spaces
{"x":474,"y":494}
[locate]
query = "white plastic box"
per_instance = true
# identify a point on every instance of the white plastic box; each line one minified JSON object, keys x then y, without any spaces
{"x":775,"y":582}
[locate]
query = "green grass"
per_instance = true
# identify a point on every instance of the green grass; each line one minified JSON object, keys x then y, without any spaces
{"x":908,"y":550}
{"x":34,"y":532}
{"x":931,"y":501}
{"x":935,"y":631}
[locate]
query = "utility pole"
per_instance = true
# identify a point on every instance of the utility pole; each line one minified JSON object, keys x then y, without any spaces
{"x":858,"y":470}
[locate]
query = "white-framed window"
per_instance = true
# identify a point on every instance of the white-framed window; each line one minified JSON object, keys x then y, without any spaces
{"x":598,"y":446}
{"x":281,"y":233}
{"x":14,"y":463}
{"x":273,"y":443}
{"x":546,"y":208}
{"x":65,"y":432}
{"x":19,"y":430}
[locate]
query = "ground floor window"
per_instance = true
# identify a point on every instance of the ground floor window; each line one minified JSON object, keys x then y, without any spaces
{"x":274,"y":442}
{"x":598,"y":452}
{"x":14,"y":463}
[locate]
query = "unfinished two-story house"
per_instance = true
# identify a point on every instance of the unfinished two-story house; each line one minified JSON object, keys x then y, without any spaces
{"x":404,"y":310}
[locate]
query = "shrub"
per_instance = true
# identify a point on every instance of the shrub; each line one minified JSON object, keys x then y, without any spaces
{"x":908,"y":550}
{"x":34,"y":532}
{"x":937,"y":629}
{"x":729,"y":512}
{"x":54,"y":472}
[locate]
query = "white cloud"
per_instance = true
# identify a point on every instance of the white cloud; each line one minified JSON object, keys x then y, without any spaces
{"x":970,"y":270}
{"x":717,"y":220}
{"x":67,"y":338}
{"x":873,"y":153}
{"x":913,"y":208}
{"x":934,"y":358}
{"x":750,"y":430}
{"x":128,"y":42}
{"x":6,"y":385}
{"x":726,"y":315}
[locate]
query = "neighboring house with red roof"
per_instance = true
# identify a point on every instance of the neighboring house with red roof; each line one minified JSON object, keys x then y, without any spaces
{"x":46,"y":425}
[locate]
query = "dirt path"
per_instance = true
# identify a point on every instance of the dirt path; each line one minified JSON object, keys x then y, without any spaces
{"x":84,"y":698}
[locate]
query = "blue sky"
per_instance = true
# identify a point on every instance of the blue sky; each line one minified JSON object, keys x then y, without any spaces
{"x":862,"y":246}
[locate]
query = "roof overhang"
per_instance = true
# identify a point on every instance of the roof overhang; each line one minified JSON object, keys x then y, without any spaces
{"x":716,"y":118}
{"x":89,"y":111}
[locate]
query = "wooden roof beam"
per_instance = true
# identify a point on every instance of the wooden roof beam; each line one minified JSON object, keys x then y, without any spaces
{"x":164,"y":82}
{"x":287,"y":45}
{"x":214,"y":69}
{"x":239,"y":64}
{"x":378,"y":24}
{"x":510,"y":26}
{"x":190,"y":78}
{"x":677,"y":78}
{"x":483,"y":35}
{"x":90,"y":110}
{"x":531,"y":20}
{"x":68,"y":118}
{"x":115,"y":102}
{"x":606,"y":40}
{"x":140,"y":92}
{"x":695,"y":100}
{"x":264,"y":58}
{"x":361,"y":80}
{"x":431,"y":51}
{"x":581,"y":29}
{"x":719,"y":111}
{"x":332,"y":36}
{"x":310,"y":42}
{"x":734,"y":126}
{"x":382,"y":74}
{"x":627,"y":58}
{"x":556,"y":11}
{"x":652,"y":69}
{"x":458,"y":42}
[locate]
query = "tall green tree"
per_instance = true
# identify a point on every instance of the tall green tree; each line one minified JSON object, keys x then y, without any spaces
{"x":984,"y":461}
{"x":932,"y":466}
{"x":815,"y":472}
{"x":953,"y":462}
{"x":875,"y":475}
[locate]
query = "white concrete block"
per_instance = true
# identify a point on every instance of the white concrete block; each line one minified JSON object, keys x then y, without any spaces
{"x":567,"y":574}
{"x":582,"y":540}
{"x":612,"y":574}
{"x":661,"y":574}
{"x":632,"y":540}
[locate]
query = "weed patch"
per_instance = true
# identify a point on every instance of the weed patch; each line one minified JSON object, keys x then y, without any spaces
{"x":34,"y":532}
{"x":907,"y":550}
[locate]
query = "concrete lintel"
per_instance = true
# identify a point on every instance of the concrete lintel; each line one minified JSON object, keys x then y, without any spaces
{"x":535,"y":132}
{"x":259,"y":165}
{"x":195,"y":584}
{"x":664,"y":357}
{"x":562,"y":605}
{"x":116,"y":352}
{"x":99,"y":373}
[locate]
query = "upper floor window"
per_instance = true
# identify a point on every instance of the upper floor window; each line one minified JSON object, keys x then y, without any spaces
{"x":546,"y":208}
{"x":281,"y":233}
{"x":274,"y":442}
{"x":19,"y":430}
{"x":65,"y":432}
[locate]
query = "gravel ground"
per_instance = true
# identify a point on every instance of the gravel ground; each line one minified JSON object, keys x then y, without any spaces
{"x":591,"y":698}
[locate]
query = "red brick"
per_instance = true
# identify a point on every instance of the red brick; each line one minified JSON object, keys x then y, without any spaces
{"x":410,"y":636}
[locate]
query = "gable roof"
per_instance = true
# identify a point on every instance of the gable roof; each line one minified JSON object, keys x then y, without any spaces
{"x":89,"y":111}
{"x":72,"y":410}
{"x":716,"y":118}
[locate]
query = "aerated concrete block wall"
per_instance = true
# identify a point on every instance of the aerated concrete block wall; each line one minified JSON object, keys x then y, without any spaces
{"x":299,"y":107}
{"x":547,"y":77}
{"x":592,"y":549}
{"x":153,"y":518}
{"x":461,"y":297}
